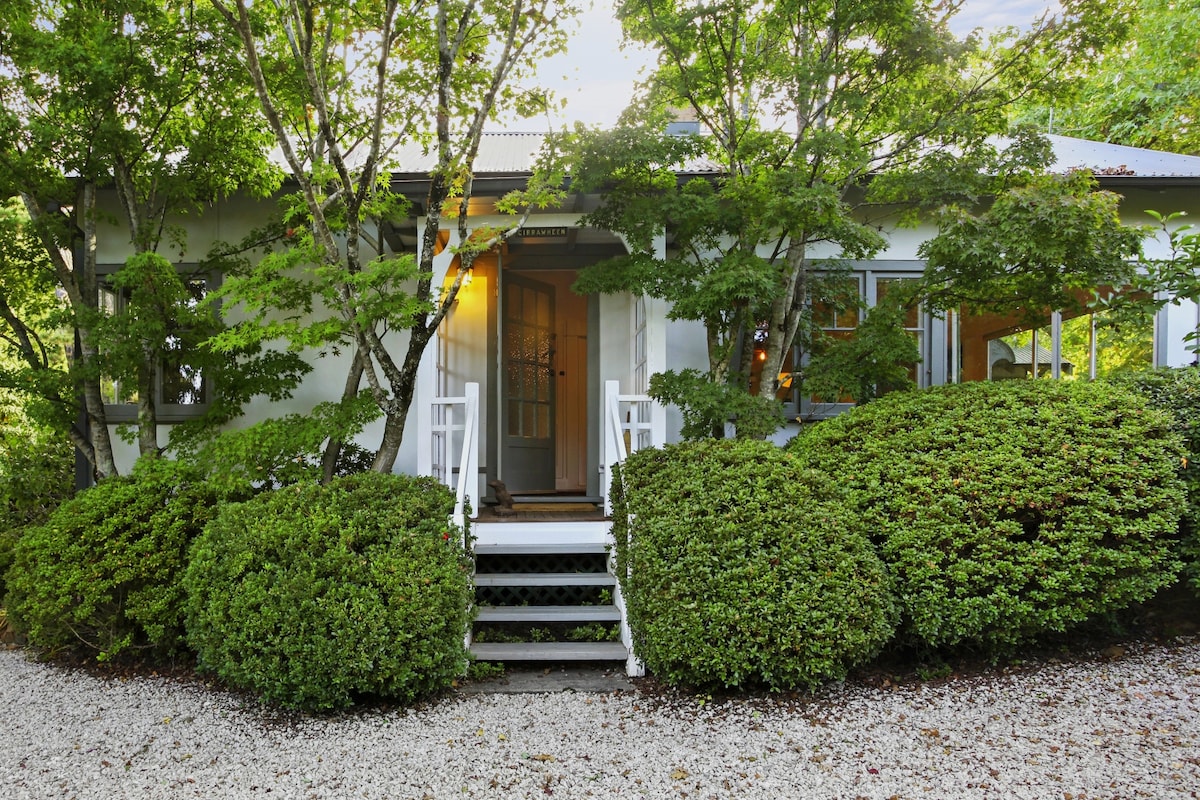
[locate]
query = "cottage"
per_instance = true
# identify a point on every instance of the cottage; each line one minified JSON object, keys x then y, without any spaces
{"x":542,"y":390}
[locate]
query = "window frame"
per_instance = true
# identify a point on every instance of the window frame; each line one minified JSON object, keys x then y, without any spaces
{"x":166,"y":413}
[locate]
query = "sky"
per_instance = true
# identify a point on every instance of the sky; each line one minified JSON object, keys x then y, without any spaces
{"x":596,"y":76}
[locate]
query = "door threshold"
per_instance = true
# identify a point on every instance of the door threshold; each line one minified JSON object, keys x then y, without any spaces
{"x":535,"y":497}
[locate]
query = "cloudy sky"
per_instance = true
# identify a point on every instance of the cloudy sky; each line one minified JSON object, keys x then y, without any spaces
{"x":596,"y":77}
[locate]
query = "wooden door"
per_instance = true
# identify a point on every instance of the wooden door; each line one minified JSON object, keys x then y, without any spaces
{"x":528,"y":385}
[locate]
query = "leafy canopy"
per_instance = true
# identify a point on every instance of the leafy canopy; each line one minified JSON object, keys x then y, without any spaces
{"x":825,"y":125}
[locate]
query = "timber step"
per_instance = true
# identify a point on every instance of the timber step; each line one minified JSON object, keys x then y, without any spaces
{"x":545,"y":579}
{"x":550,"y":651}
{"x":548,"y":614}
{"x":571,"y":548}
{"x":549,"y":599}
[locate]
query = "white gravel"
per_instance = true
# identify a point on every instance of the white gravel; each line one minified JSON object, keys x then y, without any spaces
{"x":1128,"y":728}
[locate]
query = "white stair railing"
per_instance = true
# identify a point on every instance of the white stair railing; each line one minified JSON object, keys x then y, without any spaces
{"x":629,"y":425}
{"x":444,"y":431}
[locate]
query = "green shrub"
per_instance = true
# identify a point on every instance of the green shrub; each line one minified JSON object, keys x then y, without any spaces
{"x":1178,"y":391}
{"x":1008,"y":510}
{"x":741,"y":569}
{"x":313,"y":595}
{"x":36,"y":476}
{"x":103,"y":573}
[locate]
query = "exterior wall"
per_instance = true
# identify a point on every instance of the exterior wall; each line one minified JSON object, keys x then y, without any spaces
{"x":465,"y":349}
{"x":1175,"y":321}
{"x":228,"y":222}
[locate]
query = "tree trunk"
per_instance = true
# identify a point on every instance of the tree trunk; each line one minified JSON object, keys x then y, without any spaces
{"x":403,"y":389}
{"x":785,"y":316}
{"x":147,"y":413}
{"x":102,"y":457}
{"x":333,"y":449}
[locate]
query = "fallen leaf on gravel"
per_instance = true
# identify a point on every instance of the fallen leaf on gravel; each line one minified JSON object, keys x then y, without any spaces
{"x":543,"y":757}
{"x":680,"y":774}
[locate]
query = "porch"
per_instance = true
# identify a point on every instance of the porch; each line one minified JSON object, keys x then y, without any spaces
{"x":545,"y":583}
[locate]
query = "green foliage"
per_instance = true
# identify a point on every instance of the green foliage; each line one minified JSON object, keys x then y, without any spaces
{"x":312,"y":595}
{"x":33,"y":332}
{"x":104,"y":573}
{"x":36,"y":476}
{"x":707,"y":407}
{"x":873,"y":362}
{"x":1178,"y":392}
{"x":1144,"y":91}
{"x":740,"y":568}
{"x":1159,"y":281}
{"x":285,"y":450}
{"x":753,"y":205}
{"x":442,"y":74}
{"x":1037,"y":245}
{"x":485,"y":670}
{"x":149,"y":101}
{"x":1008,"y":510}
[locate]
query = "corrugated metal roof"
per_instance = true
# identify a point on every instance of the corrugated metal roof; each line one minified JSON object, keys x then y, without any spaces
{"x":506,"y":153}
{"x":498,"y":153}
{"x":1020,"y":355}
{"x":509,"y":153}
{"x":1119,"y":161}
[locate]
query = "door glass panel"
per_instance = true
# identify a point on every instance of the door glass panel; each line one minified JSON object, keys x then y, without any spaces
{"x":514,"y":419}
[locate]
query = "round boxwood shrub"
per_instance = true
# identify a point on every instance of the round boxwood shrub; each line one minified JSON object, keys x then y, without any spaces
{"x":1008,"y":510}
{"x":103,"y":573}
{"x":739,"y":568}
{"x":311,"y":596}
{"x":1178,"y":392}
{"x":36,"y":476}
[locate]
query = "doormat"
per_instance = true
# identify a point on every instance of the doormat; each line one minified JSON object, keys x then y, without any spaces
{"x":548,"y":507}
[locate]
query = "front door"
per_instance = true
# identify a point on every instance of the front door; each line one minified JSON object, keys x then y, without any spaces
{"x":528,"y":384}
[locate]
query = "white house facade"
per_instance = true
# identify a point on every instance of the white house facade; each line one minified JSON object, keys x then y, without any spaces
{"x":532,"y":385}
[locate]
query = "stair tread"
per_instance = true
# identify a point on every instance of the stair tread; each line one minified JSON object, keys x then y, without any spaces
{"x":545,"y":579}
{"x":607,"y":613}
{"x":550,"y":651}
{"x":566,"y":548}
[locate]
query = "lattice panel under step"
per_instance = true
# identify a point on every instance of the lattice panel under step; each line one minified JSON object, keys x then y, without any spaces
{"x":541,"y":562}
{"x":501,"y":633}
{"x":542,"y":595}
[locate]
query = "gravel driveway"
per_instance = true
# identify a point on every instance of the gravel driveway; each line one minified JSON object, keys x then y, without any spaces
{"x":1126,"y":728}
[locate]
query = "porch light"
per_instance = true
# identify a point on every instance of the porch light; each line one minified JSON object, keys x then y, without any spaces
{"x":469,"y":277}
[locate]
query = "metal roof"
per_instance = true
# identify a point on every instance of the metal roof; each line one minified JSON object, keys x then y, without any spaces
{"x":516,"y":153}
{"x":505,"y":154}
{"x":1120,"y":161}
{"x":500,"y":153}
{"x":1020,"y":355}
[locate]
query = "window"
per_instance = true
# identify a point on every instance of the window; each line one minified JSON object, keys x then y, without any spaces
{"x":915,"y":323}
{"x":183,"y":389}
{"x":1067,"y":344}
{"x":841,"y":306}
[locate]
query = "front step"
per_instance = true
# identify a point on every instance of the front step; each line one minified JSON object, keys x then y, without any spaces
{"x":543,"y":592}
{"x":550,"y":651}
{"x":553,"y":615}
{"x":546,"y":579}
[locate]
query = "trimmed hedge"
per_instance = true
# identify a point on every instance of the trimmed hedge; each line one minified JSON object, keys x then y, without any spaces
{"x":36,"y":476}
{"x":311,"y":596}
{"x":104,"y":573}
{"x":741,"y":569}
{"x":1008,"y":510}
{"x":1178,"y":392}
